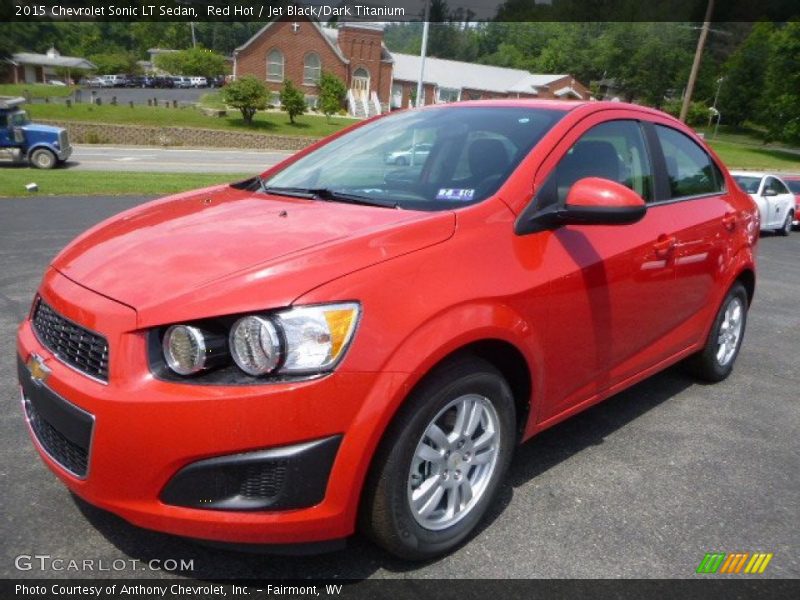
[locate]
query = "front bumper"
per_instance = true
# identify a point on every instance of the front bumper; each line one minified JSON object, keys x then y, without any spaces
{"x":64,"y":153}
{"x":147,"y":431}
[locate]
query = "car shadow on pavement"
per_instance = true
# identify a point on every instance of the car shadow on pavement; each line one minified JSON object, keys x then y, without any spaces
{"x":360,"y":558}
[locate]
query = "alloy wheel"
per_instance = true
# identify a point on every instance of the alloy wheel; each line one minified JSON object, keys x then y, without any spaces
{"x":730,"y":330}
{"x":454,"y":462}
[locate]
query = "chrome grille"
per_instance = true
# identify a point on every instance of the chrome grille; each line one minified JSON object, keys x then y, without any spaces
{"x":72,"y":344}
{"x":63,"y":139}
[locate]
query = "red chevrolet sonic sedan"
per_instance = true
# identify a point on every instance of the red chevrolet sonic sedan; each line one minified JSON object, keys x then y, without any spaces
{"x":345,"y":342}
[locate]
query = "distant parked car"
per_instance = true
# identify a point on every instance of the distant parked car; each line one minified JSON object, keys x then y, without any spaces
{"x":198,"y":82}
{"x":163,"y":82}
{"x":217,"y":81}
{"x":96,"y":82}
{"x":409,"y":156}
{"x":114,"y":80}
{"x":776,"y":204}
{"x":140,"y":81}
{"x":793,"y":183}
{"x":181,"y":82}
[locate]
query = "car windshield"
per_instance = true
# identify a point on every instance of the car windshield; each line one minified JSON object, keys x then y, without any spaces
{"x":18,"y":118}
{"x":435,"y":159}
{"x":748,"y":183}
{"x":794,"y":185}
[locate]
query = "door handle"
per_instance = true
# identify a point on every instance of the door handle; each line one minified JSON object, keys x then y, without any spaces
{"x":665,"y":245}
{"x":729,"y":221}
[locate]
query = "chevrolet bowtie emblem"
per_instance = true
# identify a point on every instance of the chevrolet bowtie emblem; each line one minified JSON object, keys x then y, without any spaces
{"x":39,"y":371}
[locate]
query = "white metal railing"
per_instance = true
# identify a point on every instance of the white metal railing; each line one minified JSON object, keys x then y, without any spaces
{"x":351,"y":103}
{"x":375,"y":102}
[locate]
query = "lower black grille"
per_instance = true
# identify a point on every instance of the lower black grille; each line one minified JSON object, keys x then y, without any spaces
{"x":71,"y":456}
{"x":76,"y":346}
{"x":264,"y":480}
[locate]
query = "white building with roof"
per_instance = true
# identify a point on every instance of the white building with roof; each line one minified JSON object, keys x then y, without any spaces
{"x":377,"y":79}
{"x":28,"y":67}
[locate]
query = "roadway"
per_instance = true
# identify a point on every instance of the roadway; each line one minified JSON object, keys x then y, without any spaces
{"x":174,"y":160}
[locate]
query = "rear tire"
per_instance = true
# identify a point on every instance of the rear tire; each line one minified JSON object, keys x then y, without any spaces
{"x":715,"y":361}
{"x":41,"y":158}
{"x":787,"y":225}
{"x":434,"y":474}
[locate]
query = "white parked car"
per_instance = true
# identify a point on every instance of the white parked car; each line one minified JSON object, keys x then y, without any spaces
{"x":181,"y":81}
{"x":199,"y":82}
{"x":776,"y":203}
{"x":414,"y":155}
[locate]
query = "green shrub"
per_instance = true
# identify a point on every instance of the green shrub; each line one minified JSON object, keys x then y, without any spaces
{"x":292,"y":101}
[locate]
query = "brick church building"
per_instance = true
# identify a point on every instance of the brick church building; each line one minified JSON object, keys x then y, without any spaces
{"x":379,"y":80}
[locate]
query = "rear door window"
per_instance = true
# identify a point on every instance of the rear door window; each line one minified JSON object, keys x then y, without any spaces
{"x":690,"y":169}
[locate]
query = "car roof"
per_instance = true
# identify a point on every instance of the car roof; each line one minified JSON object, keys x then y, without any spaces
{"x":759,"y":174}
{"x":562,"y":105}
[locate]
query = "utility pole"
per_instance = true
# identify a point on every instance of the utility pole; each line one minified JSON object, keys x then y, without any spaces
{"x":423,"y":52}
{"x":698,"y":55}
{"x":194,"y":39}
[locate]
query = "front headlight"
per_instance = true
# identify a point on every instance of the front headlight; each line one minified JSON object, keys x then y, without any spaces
{"x":316,"y":337}
{"x":189,"y":350}
{"x":298,"y":341}
{"x":255,"y":345}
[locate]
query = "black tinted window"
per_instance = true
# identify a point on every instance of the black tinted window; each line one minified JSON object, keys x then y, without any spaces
{"x":748,"y":183}
{"x":776,"y":186}
{"x":613,"y":150}
{"x":690,"y":169}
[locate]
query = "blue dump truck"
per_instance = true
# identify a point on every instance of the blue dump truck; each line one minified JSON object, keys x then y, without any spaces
{"x":42,"y":146}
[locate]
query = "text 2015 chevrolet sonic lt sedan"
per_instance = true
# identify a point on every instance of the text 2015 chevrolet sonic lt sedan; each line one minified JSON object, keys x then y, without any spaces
{"x":343,"y":343}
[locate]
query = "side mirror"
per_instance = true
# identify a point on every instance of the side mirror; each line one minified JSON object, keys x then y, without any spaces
{"x":590,"y":201}
{"x":769,"y":192}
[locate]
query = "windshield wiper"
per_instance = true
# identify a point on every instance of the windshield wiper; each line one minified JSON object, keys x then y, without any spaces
{"x":328,"y":195}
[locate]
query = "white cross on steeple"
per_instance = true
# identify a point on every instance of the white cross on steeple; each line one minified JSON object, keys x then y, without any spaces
{"x":295,"y":27}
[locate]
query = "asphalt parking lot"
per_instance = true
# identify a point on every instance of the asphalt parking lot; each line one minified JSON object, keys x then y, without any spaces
{"x":641,"y":486}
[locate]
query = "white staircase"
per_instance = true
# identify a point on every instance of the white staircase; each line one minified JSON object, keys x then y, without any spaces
{"x":363,"y":109}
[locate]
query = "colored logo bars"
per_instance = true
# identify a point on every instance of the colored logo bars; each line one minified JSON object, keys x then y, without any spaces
{"x":719,"y":562}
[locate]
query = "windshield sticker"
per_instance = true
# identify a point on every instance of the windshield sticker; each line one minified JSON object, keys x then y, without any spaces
{"x":464,"y":195}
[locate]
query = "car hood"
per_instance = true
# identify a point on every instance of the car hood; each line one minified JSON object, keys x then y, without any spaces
{"x":224,"y":251}
{"x":41,"y":129}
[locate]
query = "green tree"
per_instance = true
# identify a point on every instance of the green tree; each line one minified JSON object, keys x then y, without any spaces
{"x":332,"y":92}
{"x":745,"y":71}
{"x":292,"y":100}
{"x":194,"y":61}
{"x":782,"y":85}
{"x":248,"y":94}
{"x":108,"y":63}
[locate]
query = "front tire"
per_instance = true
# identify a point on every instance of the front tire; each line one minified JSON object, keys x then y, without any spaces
{"x":787,"y":225}
{"x":41,"y":158}
{"x":715,"y":361}
{"x":441,"y":461}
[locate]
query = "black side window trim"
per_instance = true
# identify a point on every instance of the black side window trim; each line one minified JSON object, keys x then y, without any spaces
{"x":663,"y":193}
